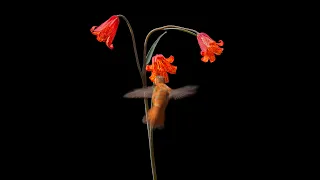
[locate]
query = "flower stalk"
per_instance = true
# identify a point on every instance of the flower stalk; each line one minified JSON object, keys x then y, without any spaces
{"x":144,"y":79}
{"x":160,"y":65}
{"x":167,"y":27}
{"x":134,"y":46}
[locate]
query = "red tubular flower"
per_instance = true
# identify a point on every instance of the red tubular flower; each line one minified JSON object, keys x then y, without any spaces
{"x":161,"y":66}
{"x":209,"y":48}
{"x":107,"y":30}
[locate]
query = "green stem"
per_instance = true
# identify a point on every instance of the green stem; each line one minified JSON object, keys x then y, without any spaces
{"x":188,"y":30}
{"x":167,"y":27}
{"x":144,"y":79}
{"x":146,"y":106}
{"x":151,"y":147}
{"x":134,"y":46}
{"x":192,"y":33}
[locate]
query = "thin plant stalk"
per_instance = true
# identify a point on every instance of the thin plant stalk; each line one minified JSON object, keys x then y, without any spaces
{"x":144,"y":77}
{"x":134,"y":46}
{"x":184,"y":30}
{"x":146,"y":106}
{"x":167,"y":27}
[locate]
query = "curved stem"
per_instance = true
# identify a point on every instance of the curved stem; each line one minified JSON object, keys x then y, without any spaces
{"x":144,"y":79}
{"x":134,"y":45}
{"x":167,"y":27}
{"x":184,"y":29}
{"x":192,"y":33}
{"x":146,"y":106}
{"x":151,"y":148}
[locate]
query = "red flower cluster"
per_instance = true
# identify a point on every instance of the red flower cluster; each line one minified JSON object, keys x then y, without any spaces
{"x":160,"y":66}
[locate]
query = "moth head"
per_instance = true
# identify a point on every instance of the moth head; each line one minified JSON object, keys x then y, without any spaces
{"x":159,"y":79}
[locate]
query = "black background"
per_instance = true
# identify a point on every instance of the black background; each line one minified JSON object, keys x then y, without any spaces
{"x":88,"y":130}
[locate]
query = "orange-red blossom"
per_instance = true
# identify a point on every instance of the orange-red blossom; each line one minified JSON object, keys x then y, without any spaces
{"x":161,"y":66}
{"x":107,"y":30}
{"x":209,"y":48}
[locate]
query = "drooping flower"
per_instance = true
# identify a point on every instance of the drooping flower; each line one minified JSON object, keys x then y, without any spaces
{"x":209,"y":48}
{"x":107,"y":30}
{"x":161,"y":66}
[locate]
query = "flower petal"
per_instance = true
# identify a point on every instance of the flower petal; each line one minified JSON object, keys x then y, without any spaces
{"x":209,"y":48}
{"x":107,"y":31}
{"x":170,"y":59}
{"x":161,"y":66}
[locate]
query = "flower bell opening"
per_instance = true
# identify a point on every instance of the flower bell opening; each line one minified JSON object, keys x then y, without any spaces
{"x":209,"y":48}
{"x":107,"y":31}
{"x":161,"y":66}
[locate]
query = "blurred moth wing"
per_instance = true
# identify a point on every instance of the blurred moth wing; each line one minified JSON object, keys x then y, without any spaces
{"x":183,"y":92}
{"x":140,"y":93}
{"x":178,"y":93}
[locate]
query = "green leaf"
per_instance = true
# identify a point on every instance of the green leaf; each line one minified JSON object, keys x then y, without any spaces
{"x":150,"y":52}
